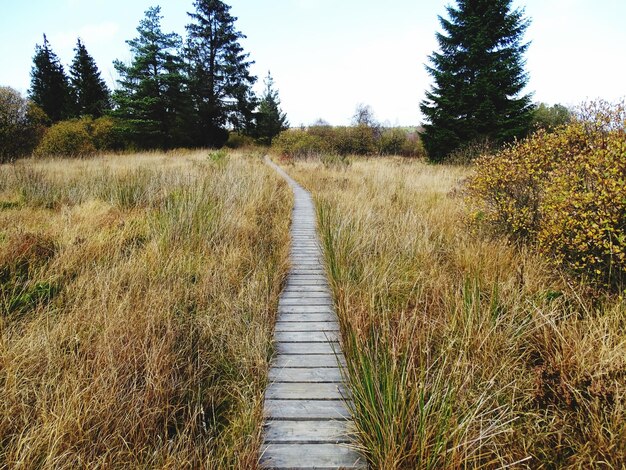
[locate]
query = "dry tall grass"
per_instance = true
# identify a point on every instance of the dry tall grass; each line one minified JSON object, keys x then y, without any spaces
{"x":463,"y":351}
{"x":137,"y":304}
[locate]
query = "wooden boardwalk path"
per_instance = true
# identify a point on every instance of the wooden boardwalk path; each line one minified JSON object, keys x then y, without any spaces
{"x":307,"y":424}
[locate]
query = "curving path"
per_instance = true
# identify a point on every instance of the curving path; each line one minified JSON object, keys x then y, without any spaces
{"x":307,"y":424}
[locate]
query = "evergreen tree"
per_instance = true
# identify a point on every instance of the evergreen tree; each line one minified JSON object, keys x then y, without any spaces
{"x":478,"y":77}
{"x":270,"y":120}
{"x":92,"y":95}
{"x":218,"y":69}
{"x":49,"y":86}
{"x":152,"y":86}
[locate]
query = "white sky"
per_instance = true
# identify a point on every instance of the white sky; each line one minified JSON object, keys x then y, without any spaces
{"x":327,"y":56}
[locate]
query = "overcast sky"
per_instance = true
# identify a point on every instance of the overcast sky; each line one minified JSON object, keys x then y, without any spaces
{"x":327,"y":56}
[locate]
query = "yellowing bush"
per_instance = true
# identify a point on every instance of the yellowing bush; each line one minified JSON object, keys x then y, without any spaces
{"x":342,"y":140}
{"x":80,"y":138}
{"x":105,"y":132}
{"x":66,"y":139}
{"x":565,"y":192}
{"x":296,"y":143}
{"x":583,"y":213}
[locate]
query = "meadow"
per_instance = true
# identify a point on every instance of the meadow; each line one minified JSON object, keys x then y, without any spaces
{"x":138,"y":297}
{"x":464,"y":350}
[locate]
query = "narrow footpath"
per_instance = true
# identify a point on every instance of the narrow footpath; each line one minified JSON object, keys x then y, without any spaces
{"x":307,"y":424}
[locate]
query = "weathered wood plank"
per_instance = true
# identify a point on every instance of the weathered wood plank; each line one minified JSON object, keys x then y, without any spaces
{"x":308,"y":432}
{"x":306,"y":409}
{"x":307,"y":271}
{"x":306,"y":277}
{"x":306,"y":337}
{"x":307,"y":326}
{"x":308,"y":360}
{"x":301,"y":281}
{"x":306,"y":375}
{"x":319,"y":456}
{"x":306,"y":295}
{"x":307,"y":348}
{"x":306,"y":317}
{"x":305,"y":300}
{"x":305,"y":391}
{"x":305,"y":309}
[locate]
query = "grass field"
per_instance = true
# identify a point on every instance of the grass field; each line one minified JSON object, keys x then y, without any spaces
{"x":138,"y":296}
{"x":463,"y":351}
{"x":137,"y":303}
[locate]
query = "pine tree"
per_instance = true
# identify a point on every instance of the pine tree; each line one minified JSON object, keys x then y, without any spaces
{"x":270,"y":120}
{"x":219,"y":73}
{"x":152,"y":85}
{"x":92,"y":95}
{"x":478,"y":78}
{"x":49,"y":86}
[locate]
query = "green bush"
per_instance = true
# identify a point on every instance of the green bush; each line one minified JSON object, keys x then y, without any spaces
{"x":237,"y":141}
{"x":298,"y":143}
{"x":565,"y":192}
{"x":343,"y":140}
{"x":398,"y":141}
{"x":356,"y":140}
{"x":22,"y":125}
{"x":106,"y":133}
{"x":550,"y":117}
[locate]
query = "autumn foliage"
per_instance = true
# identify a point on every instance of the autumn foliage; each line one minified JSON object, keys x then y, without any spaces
{"x":565,"y":192}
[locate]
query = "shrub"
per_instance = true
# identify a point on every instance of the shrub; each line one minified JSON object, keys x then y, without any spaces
{"x":356,"y":140}
{"x":67,"y":139}
{"x":550,"y":117}
{"x":583,"y":213}
{"x":392,"y":141}
{"x":413,"y":146}
{"x":398,"y":141}
{"x":298,"y":143}
{"x":563,"y":191}
{"x":467,"y":153}
{"x":237,"y":140}
{"x":106,"y":133}
{"x":22,"y":124}
{"x":82,"y":137}
{"x":348,"y":140}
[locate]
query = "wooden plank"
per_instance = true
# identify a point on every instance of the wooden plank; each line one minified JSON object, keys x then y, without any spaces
{"x":306,"y":317}
{"x":305,"y":375}
{"x":319,"y":456}
{"x":300,"y":289}
{"x":300,"y":281}
{"x":308,"y":360}
{"x":311,"y":277}
{"x":303,"y":391}
{"x":307,"y":326}
{"x":295,"y":273}
{"x":306,"y":409}
{"x":306,"y":337}
{"x":309,"y":432}
{"x":307,"y":348}
{"x":305,"y":309}
{"x":305,"y":300}
{"x":310,"y":295}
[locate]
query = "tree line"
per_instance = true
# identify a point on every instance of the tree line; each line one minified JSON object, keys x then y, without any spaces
{"x":174,"y":92}
{"x":194,"y":91}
